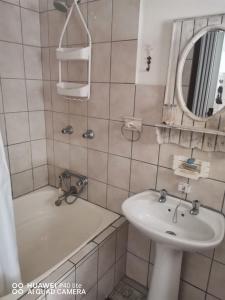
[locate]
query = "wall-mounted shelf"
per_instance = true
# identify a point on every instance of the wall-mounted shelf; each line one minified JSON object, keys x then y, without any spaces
{"x":192,"y":129}
{"x":72,"y":89}
{"x":77,"y":53}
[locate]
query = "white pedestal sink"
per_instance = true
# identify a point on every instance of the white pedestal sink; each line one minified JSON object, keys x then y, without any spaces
{"x":172,"y":236}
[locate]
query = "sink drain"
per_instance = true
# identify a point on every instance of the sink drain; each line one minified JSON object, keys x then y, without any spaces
{"x":170,"y":232}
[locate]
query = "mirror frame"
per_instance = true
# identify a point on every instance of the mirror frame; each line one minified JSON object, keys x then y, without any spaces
{"x":180,"y":69}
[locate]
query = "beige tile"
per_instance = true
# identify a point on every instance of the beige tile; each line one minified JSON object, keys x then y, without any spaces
{"x":40,"y":176}
{"x":14,"y":95}
{"x":216,"y":282}
{"x":121,"y":241}
{"x":119,"y":171}
{"x":138,"y":243}
{"x":137,"y":269}
{"x":76,"y":33}
{"x":43,"y":5}
{"x":51,"y":175}
{"x":167,"y":180}
{"x":118,"y":144}
{"x":101,"y":129}
{"x":100,"y":71}
{"x":123,"y":66}
{"x":208,"y":192}
{"x":143,"y":176}
{"x":121,"y":100}
{"x":195,"y":269}
{"x":149,"y":102}
{"x":37,"y":125}
{"x":220,"y":252}
{"x":33,"y":65}
{"x":50,"y":151}
{"x":78,"y":108}
{"x":49,"y":124}
{"x":31,"y":4}
{"x":61,"y":155}
{"x":119,"y":222}
{"x":59,"y":273}
{"x":45,"y":58}
{"x":13,"y":2}
{"x":91,"y":294}
{"x":86,"y":273}
{"x":97,"y":165}
{"x":79,"y":124}
{"x":120,"y":269}
{"x":103,"y":236}
{"x":188,"y":292}
{"x":22,"y":183}
{"x":98,"y":105}
{"x":15,"y":133}
{"x":97,"y":192}
{"x":125,"y":19}
{"x":30,"y":27}
{"x":99,"y":20}
{"x":39,"y":155}
{"x":216,"y":160}
{"x":11,"y":60}
{"x":68,"y":280}
{"x":78,"y":159}
{"x":3,"y":129}
{"x":19,"y":157}
{"x":107,"y":255}
{"x":35,"y":95}
{"x":56,"y":21}
{"x":106,"y":284}
{"x":47,"y":95}
{"x":115,"y":198}
{"x":44,"y":29}
{"x":167,"y":151}
{"x":60,"y":121}
{"x":209,"y":297}
{"x":10,"y":25}
{"x":82,"y":254}
{"x":77,"y":71}
{"x":146,"y":149}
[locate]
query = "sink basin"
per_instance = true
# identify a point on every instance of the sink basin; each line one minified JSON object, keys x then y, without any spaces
{"x":189,"y":233}
{"x":174,"y":230}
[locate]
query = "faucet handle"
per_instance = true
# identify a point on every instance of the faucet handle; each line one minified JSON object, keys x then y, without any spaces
{"x":195,"y":207}
{"x":163,"y":194}
{"x":196,"y":204}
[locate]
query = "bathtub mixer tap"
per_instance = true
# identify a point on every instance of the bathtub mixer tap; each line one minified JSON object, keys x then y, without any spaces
{"x":71,"y":193}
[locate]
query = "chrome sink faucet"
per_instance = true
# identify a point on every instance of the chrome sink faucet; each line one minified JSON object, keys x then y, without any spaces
{"x":163,"y":194}
{"x":195,"y":207}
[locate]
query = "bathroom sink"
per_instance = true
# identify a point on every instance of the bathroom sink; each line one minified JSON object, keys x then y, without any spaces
{"x":173,"y":229}
{"x":184,"y":231}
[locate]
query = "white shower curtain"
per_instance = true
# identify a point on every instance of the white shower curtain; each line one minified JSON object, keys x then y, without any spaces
{"x":9,"y":264}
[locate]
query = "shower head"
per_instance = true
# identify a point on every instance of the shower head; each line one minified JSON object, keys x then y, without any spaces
{"x":63,"y":5}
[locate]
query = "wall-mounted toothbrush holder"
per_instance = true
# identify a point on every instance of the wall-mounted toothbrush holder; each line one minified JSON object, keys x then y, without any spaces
{"x":190,"y":167}
{"x":134,"y":125}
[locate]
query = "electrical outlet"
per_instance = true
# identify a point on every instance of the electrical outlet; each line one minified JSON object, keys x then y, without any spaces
{"x":184,"y":187}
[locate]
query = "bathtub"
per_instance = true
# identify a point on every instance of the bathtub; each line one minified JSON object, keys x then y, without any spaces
{"x":48,"y":235}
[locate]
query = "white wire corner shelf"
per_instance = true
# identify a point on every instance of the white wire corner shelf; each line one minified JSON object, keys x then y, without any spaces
{"x":74,"y":90}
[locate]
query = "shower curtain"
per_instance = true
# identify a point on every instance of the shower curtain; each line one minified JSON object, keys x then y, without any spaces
{"x":9,"y":264}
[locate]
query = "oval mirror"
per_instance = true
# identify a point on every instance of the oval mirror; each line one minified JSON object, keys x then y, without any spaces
{"x":201,"y":74}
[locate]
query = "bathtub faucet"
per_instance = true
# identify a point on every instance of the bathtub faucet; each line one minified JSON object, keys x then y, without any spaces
{"x":69,"y":191}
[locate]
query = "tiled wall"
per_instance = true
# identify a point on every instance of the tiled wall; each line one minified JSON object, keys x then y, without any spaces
{"x":115,"y":166}
{"x":21,"y":95}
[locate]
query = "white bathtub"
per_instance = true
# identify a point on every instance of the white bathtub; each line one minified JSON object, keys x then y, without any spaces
{"x":48,"y":235}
